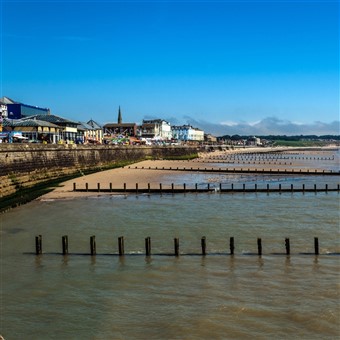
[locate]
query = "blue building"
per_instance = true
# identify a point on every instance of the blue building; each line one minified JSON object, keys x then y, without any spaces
{"x":19,"y":110}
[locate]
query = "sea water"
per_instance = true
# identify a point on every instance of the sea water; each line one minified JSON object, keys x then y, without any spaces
{"x":217,"y":296}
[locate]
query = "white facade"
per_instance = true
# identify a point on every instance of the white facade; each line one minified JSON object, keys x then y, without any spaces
{"x":187,"y":133}
{"x":156,"y":128}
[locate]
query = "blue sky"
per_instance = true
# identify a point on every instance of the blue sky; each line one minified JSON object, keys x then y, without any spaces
{"x":228,"y":67}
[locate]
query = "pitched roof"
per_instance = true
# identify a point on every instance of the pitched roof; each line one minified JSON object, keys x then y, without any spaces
{"x":52,"y":119}
{"x":94,"y":124}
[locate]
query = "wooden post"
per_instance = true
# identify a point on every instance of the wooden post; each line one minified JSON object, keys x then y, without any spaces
{"x":184,"y":187}
{"x":287,"y":245}
{"x":110,"y":187}
{"x":314,"y":187}
{"x":98,"y":187}
{"x":74,"y":187}
{"x":172,"y":187}
{"x":267,"y":187}
{"x":87,"y":186}
{"x":148,"y":246}
{"x":203,"y":245}
{"x":136,"y":188}
{"x":149,"y":187}
{"x":64,"y":242}
{"x":280,"y":187}
{"x":176,"y":245}
{"x":93,"y":245}
{"x":38,"y":245}
{"x":232,"y":186}
{"x":303,"y":187}
{"x":316,"y":246}
{"x":208,"y":186}
{"x":160,"y":187}
{"x":196,"y":186}
{"x":259,"y":246}
{"x":121,"y":245}
{"x":124,"y":187}
{"x":291,"y":187}
{"x":244,"y":187}
{"x":326,"y":187}
{"x":231,"y":246}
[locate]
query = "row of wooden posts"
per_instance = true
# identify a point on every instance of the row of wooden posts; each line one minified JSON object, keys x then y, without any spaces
{"x":184,"y":188}
{"x":121,"y":252}
{"x":252,"y":171}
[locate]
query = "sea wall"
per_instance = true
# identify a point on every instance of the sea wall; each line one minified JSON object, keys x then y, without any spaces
{"x":25,"y":165}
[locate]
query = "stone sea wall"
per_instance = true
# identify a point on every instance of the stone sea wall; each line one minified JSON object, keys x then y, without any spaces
{"x":25,"y":165}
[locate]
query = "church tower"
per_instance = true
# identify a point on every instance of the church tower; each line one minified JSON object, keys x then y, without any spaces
{"x":119,"y":116}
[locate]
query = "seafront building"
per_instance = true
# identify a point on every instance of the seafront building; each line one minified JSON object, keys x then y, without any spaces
{"x":187,"y":133}
{"x":21,"y":122}
{"x":155,"y":129}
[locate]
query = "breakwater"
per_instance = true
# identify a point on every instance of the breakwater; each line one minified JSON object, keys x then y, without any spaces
{"x":24,"y":166}
{"x":176,"y":252}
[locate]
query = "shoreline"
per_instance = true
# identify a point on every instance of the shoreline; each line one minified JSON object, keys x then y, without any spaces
{"x":140,"y":173}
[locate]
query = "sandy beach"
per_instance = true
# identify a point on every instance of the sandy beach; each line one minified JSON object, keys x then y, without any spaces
{"x":145,"y":172}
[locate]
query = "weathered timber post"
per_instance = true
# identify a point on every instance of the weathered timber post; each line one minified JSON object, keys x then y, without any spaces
{"x":136,"y":188}
{"x":244,"y":187}
{"x":148,"y":246}
{"x":196,"y":186}
{"x":93,"y":245}
{"x":316,"y":246}
{"x":232,"y":186}
{"x":259,"y":246}
{"x":208,"y":186}
{"x":303,"y":187}
{"x":176,"y":245}
{"x":255,"y":187}
{"x":203,"y":245}
{"x":98,"y":187}
{"x":64,"y":242}
{"x":87,"y":186}
{"x":291,"y":187}
{"x":149,"y":188}
{"x":184,"y":187}
{"x":124,"y":187}
{"x":280,"y":187}
{"x":267,"y":187}
{"x":121,"y":245}
{"x":231,"y":245}
{"x":160,"y":187}
{"x":74,"y":187}
{"x":110,"y":187}
{"x":38,"y":245}
{"x":172,"y":187}
{"x":314,"y":187}
{"x":326,"y":187}
{"x":287,"y":245}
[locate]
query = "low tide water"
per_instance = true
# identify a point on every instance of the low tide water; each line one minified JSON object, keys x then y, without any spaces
{"x":217,"y":296}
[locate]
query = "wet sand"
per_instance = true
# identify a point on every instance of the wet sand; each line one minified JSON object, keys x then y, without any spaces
{"x":141,"y":174}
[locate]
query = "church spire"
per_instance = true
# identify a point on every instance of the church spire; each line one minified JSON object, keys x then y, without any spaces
{"x":119,"y":116}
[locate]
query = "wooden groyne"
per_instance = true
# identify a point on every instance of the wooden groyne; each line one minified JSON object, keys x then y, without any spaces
{"x":316,"y":172}
{"x":286,"y":248}
{"x":221,"y":188}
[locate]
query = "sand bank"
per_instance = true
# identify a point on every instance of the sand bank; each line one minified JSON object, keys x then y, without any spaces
{"x":145,"y":172}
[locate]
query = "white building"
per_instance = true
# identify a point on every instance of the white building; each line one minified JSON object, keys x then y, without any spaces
{"x":187,"y":133}
{"x":156,"y":128}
